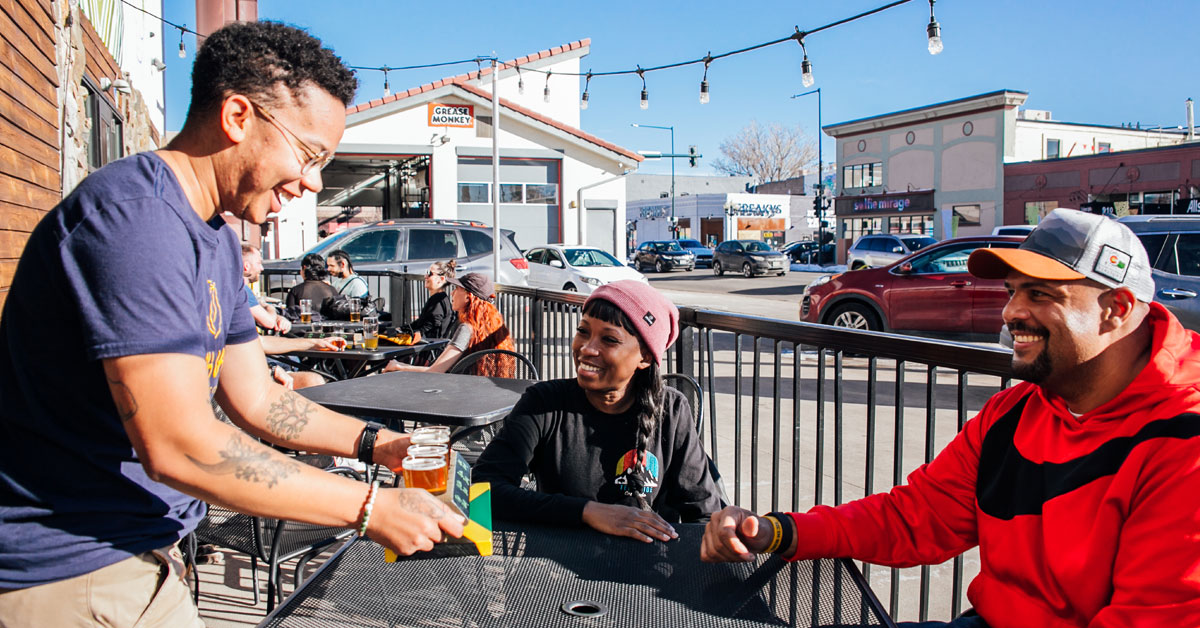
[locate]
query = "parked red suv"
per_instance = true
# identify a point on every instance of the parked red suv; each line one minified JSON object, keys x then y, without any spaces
{"x":928,"y":292}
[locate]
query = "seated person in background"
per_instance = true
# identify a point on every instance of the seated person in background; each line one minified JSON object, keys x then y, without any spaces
{"x":613,"y":448}
{"x":1078,"y":485}
{"x":480,"y":327}
{"x":287,"y":374}
{"x":345,"y":281}
{"x":437,"y":316}
{"x":315,"y":288}
{"x":264,"y":316}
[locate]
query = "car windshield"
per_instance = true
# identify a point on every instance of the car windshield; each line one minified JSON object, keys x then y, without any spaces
{"x":667,"y":246}
{"x":757,"y":247}
{"x":328,"y":243}
{"x":591,"y":257}
{"x":916,"y":243}
{"x":694,"y":244}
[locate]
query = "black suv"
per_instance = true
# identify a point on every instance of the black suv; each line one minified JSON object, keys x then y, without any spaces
{"x":751,"y":257}
{"x":1173,"y":244}
{"x":663,"y":255}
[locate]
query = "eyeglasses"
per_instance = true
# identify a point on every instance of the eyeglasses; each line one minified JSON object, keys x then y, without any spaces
{"x":312,"y":158}
{"x":431,"y":273}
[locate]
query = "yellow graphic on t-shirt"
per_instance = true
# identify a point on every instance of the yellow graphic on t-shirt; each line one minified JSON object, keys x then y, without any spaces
{"x":214,"y":310}
{"x":213,"y":362}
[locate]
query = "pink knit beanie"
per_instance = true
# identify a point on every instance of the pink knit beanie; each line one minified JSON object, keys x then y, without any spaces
{"x":654,"y":317}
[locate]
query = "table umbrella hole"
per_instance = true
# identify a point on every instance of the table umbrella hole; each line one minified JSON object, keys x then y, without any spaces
{"x":432,"y":390}
{"x":585,"y":608}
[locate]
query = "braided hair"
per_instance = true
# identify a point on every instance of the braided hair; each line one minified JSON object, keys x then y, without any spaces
{"x":648,"y":390}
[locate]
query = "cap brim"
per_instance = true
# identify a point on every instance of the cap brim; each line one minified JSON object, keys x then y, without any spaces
{"x":997,"y":263}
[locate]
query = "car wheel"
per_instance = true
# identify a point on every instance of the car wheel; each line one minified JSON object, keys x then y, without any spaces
{"x":854,"y":316}
{"x":781,"y":273}
{"x":858,"y":266}
{"x":690,"y":268}
{"x":717,"y":270}
{"x":660,"y":267}
{"x":570,"y":288}
{"x":748,"y":270}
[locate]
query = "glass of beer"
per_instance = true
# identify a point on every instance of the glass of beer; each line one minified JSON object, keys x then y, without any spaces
{"x":429,"y":451}
{"x":305,"y":310}
{"x":371,"y":332}
{"x":431,"y":435}
{"x":355,"y":310}
{"x":427,"y":473}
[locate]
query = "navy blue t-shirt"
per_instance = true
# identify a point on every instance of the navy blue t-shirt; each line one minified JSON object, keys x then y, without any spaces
{"x":122,"y":266}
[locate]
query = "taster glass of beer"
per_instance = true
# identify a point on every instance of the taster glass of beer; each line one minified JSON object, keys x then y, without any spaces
{"x":355,"y":310}
{"x":429,"y":451}
{"x":431,"y":435}
{"x":427,"y":473}
{"x":305,"y":310}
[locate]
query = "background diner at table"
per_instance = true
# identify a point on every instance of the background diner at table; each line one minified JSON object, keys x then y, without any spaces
{"x":612,"y":448}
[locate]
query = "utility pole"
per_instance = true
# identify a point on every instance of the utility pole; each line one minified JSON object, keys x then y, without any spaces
{"x":674,"y":228}
{"x":820,"y":204}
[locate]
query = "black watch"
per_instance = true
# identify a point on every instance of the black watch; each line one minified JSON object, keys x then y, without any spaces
{"x":366,"y":442}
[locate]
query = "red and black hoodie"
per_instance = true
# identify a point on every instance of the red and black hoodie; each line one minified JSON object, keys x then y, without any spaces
{"x":1080,"y":521}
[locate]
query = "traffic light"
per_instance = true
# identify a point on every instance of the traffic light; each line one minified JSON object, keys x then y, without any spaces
{"x":692,"y":156}
{"x":818,"y":205}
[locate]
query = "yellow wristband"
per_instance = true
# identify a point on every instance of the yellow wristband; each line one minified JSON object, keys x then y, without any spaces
{"x":776,"y":534}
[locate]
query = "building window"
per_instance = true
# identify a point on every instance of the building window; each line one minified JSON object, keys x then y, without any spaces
{"x":862,"y":175}
{"x":1104,"y":147}
{"x":512,"y":193}
{"x":1053,"y":148}
{"x":541,"y":194}
{"x":473,"y":193}
{"x":968,"y":215}
{"x":105,"y":139}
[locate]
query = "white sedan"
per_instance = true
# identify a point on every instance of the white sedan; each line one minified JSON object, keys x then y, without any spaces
{"x":575,"y":268}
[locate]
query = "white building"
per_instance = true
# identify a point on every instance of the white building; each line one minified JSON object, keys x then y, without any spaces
{"x":939,"y":169}
{"x":714,"y":218}
{"x":426,"y":152}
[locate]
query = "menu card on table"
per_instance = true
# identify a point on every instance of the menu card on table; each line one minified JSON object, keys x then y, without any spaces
{"x":474,"y":500}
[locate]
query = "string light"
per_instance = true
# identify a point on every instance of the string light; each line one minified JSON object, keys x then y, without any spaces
{"x":182,"y":49}
{"x":546,"y":91}
{"x":704,"y":81}
{"x":583,"y":101}
{"x":934,"y":30}
{"x":645,"y":102}
{"x":387,"y":91}
{"x":520,"y":81}
{"x":806,"y":75}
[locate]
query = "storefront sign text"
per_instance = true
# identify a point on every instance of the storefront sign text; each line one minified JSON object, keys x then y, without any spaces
{"x":656,"y":211}
{"x":462,"y":116}
{"x":875,"y":204}
{"x":765,"y":210}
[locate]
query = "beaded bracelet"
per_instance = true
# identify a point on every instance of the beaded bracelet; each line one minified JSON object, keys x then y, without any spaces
{"x":367,"y":506}
{"x":787,"y":530}
{"x":776,"y":533}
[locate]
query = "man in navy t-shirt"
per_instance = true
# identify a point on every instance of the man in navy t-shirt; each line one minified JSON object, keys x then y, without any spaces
{"x":127,"y":315}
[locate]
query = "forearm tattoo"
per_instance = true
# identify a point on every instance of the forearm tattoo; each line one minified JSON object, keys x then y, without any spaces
{"x":289,"y":414}
{"x":422,"y":504}
{"x":251,"y":462}
{"x":123,"y":398}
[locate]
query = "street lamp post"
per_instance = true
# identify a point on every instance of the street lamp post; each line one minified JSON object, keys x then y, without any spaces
{"x":674,"y":231}
{"x":820,"y":175}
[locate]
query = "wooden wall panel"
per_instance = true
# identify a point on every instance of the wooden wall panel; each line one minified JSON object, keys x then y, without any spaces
{"x":32,"y":30}
{"x":23,"y":93}
{"x":100,"y":61}
{"x":12,"y":33}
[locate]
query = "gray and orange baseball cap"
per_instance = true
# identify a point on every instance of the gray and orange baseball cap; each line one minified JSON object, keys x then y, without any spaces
{"x":1069,"y":244}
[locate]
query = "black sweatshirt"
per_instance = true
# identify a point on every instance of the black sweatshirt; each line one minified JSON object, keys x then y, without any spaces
{"x":437,"y":317}
{"x":577,"y":454}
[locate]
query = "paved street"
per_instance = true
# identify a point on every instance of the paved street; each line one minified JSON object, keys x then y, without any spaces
{"x":770,"y":296}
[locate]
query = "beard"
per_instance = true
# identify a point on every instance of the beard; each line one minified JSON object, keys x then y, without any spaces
{"x":1037,"y":371}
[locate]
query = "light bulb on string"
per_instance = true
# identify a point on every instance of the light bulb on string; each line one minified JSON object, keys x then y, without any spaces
{"x":806,"y":75}
{"x":644,"y":103}
{"x":182,"y":48}
{"x":583,"y":101}
{"x":934,"y":31}
{"x":520,"y":81}
{"x":704,"y":81}
{"x":387,"y":91}
{"x":546,"y":91}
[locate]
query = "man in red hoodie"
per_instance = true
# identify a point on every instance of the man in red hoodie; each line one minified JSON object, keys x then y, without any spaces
{"x":1080,"y":485}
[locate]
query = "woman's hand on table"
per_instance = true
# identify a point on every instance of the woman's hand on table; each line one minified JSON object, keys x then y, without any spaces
{"x":391,"y":448}
{"x":333,"y":343}
{"x":393,"y":365}
{"x":410,"y":520}
{"x":635,"y":523}
{"x":734,"y":535}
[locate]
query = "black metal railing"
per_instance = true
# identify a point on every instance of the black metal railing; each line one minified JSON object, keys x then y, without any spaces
{"x":798,"y":414}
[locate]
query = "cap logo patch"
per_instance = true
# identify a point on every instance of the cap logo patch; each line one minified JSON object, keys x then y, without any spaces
{"x":1112,"y":263}
{"x":649,"y":318}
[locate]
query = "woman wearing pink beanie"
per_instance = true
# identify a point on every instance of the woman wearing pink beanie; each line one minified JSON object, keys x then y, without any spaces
{"x":612,"y":448}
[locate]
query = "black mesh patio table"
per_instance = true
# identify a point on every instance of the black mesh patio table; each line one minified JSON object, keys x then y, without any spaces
{"x":355,"y":363}
{"x":443,"y":398}
{"x":542,"y":577}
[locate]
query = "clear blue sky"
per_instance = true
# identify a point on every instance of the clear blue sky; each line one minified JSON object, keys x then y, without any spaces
{"x":1093,"y":61}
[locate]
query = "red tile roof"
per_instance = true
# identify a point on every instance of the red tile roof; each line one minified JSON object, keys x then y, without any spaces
{"x":462,"y":81}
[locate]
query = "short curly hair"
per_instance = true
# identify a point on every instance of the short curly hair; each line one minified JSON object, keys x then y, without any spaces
{"x":253,"y":58}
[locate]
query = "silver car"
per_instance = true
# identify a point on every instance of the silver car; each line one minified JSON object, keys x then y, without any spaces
{"x":875,"y":250}
{"x":1173,"y":244}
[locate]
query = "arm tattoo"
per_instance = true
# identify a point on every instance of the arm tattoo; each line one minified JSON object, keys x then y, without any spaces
{"x":249,"y":462}
{"x":289,"y":414}
{"x":123,"y":398}
{"x":422,"y":504}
